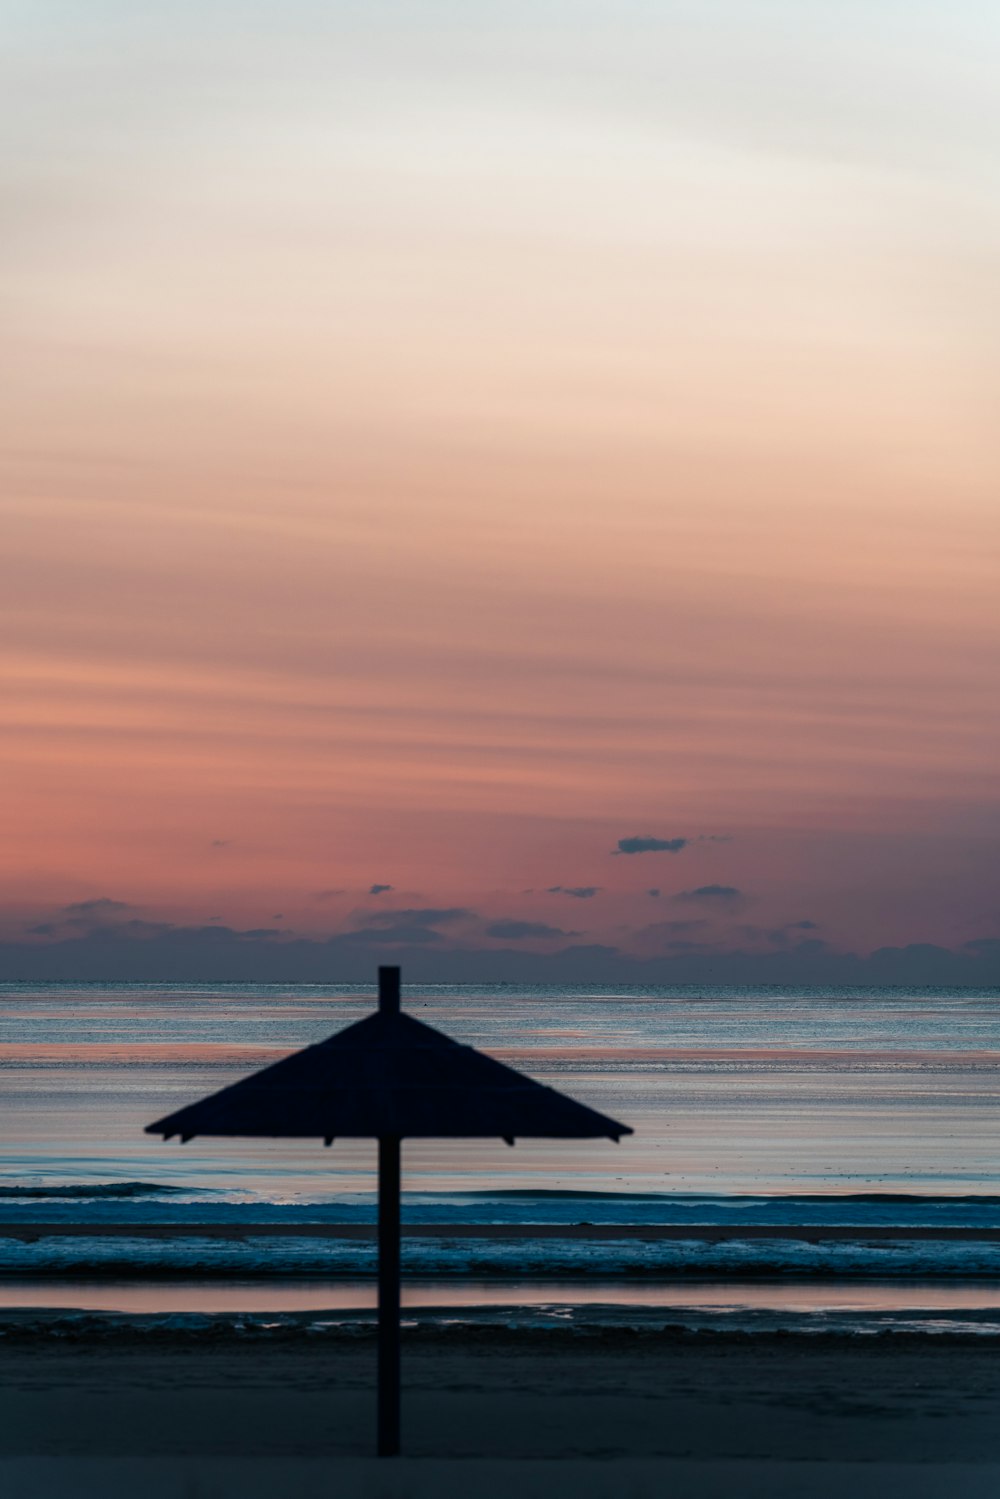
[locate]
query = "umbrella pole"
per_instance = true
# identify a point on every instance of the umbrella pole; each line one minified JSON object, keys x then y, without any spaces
{"x":388,"y":1256}
{"x":388,"y":1296}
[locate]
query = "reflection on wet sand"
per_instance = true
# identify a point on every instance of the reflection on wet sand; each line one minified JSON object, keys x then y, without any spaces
{"x":214,"y":1298}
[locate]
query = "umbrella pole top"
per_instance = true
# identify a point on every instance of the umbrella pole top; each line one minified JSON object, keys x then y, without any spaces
{"x":388,"y":991}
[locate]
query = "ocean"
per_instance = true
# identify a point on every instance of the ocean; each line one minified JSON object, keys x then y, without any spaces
{"x":854,"y":1135}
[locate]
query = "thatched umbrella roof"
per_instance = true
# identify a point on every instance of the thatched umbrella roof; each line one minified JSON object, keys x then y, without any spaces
{"x":388,"y":1075}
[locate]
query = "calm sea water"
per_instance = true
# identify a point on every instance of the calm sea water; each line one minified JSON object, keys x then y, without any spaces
{"x":774,"y":1106}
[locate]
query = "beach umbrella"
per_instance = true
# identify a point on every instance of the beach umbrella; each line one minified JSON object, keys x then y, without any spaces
{"x":390,"y":1077}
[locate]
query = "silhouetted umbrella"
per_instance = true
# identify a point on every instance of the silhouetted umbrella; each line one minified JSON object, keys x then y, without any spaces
{"x":388,"y":1076}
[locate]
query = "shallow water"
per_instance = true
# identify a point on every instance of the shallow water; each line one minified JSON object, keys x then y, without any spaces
{"x":733,"y":1091}
{"x":821,"y":1106}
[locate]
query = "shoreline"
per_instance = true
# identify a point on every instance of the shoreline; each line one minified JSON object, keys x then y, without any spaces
{"x":100,"y":1332}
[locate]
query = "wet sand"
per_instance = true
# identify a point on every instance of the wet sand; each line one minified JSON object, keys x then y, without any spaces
{"x":627,"y":1301}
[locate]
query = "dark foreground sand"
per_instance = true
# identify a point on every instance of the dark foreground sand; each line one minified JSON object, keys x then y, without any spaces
{"x":490,"y":1412}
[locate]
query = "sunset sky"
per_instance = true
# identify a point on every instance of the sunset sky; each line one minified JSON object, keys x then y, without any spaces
{"x":444,"y":442}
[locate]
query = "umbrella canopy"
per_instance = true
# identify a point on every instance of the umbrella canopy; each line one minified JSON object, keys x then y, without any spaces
{"x":388,"y":1075}
{"x":392,"y":1077}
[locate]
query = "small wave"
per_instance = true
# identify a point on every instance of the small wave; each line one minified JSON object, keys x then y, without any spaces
{"x":917,"y":1199}
{"x":602,"y":1324}
{"x":94,"y":1189}
{"x":532,"y":1194}
{"x":728,"y":1199}
{"x":122,"y":1257}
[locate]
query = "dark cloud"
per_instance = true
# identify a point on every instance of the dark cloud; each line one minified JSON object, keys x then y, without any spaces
{"x":150,"y":952}
{"x":101,"y":906}
{"x":654,"y":893}
{"x":392,"y":934}
{"x":715,"y":837}
{"x":675,"y":936}
{"x":378,"y":889}
{"x":521,"y":931}
{"x":327,"y":894}
{"x":727,"y":894}
{"x":780,"y":935}
{"x":220,"y":843}
{"x":98,"y":914}
{"x":673,"y":927}
{"x":646,"y":845}
{"x":425,"y":915}
{"x":89,"y":913}
{"x":580,"y":892}
{"x":985,"y":946}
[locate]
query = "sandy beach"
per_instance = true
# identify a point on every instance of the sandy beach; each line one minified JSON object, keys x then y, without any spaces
{"x":606,"y":1413}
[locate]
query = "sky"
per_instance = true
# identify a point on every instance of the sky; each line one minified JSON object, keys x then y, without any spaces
{"x":450,"y":450}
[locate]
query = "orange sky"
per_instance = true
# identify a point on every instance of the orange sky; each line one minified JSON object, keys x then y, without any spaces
{"x":435,"y":453}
